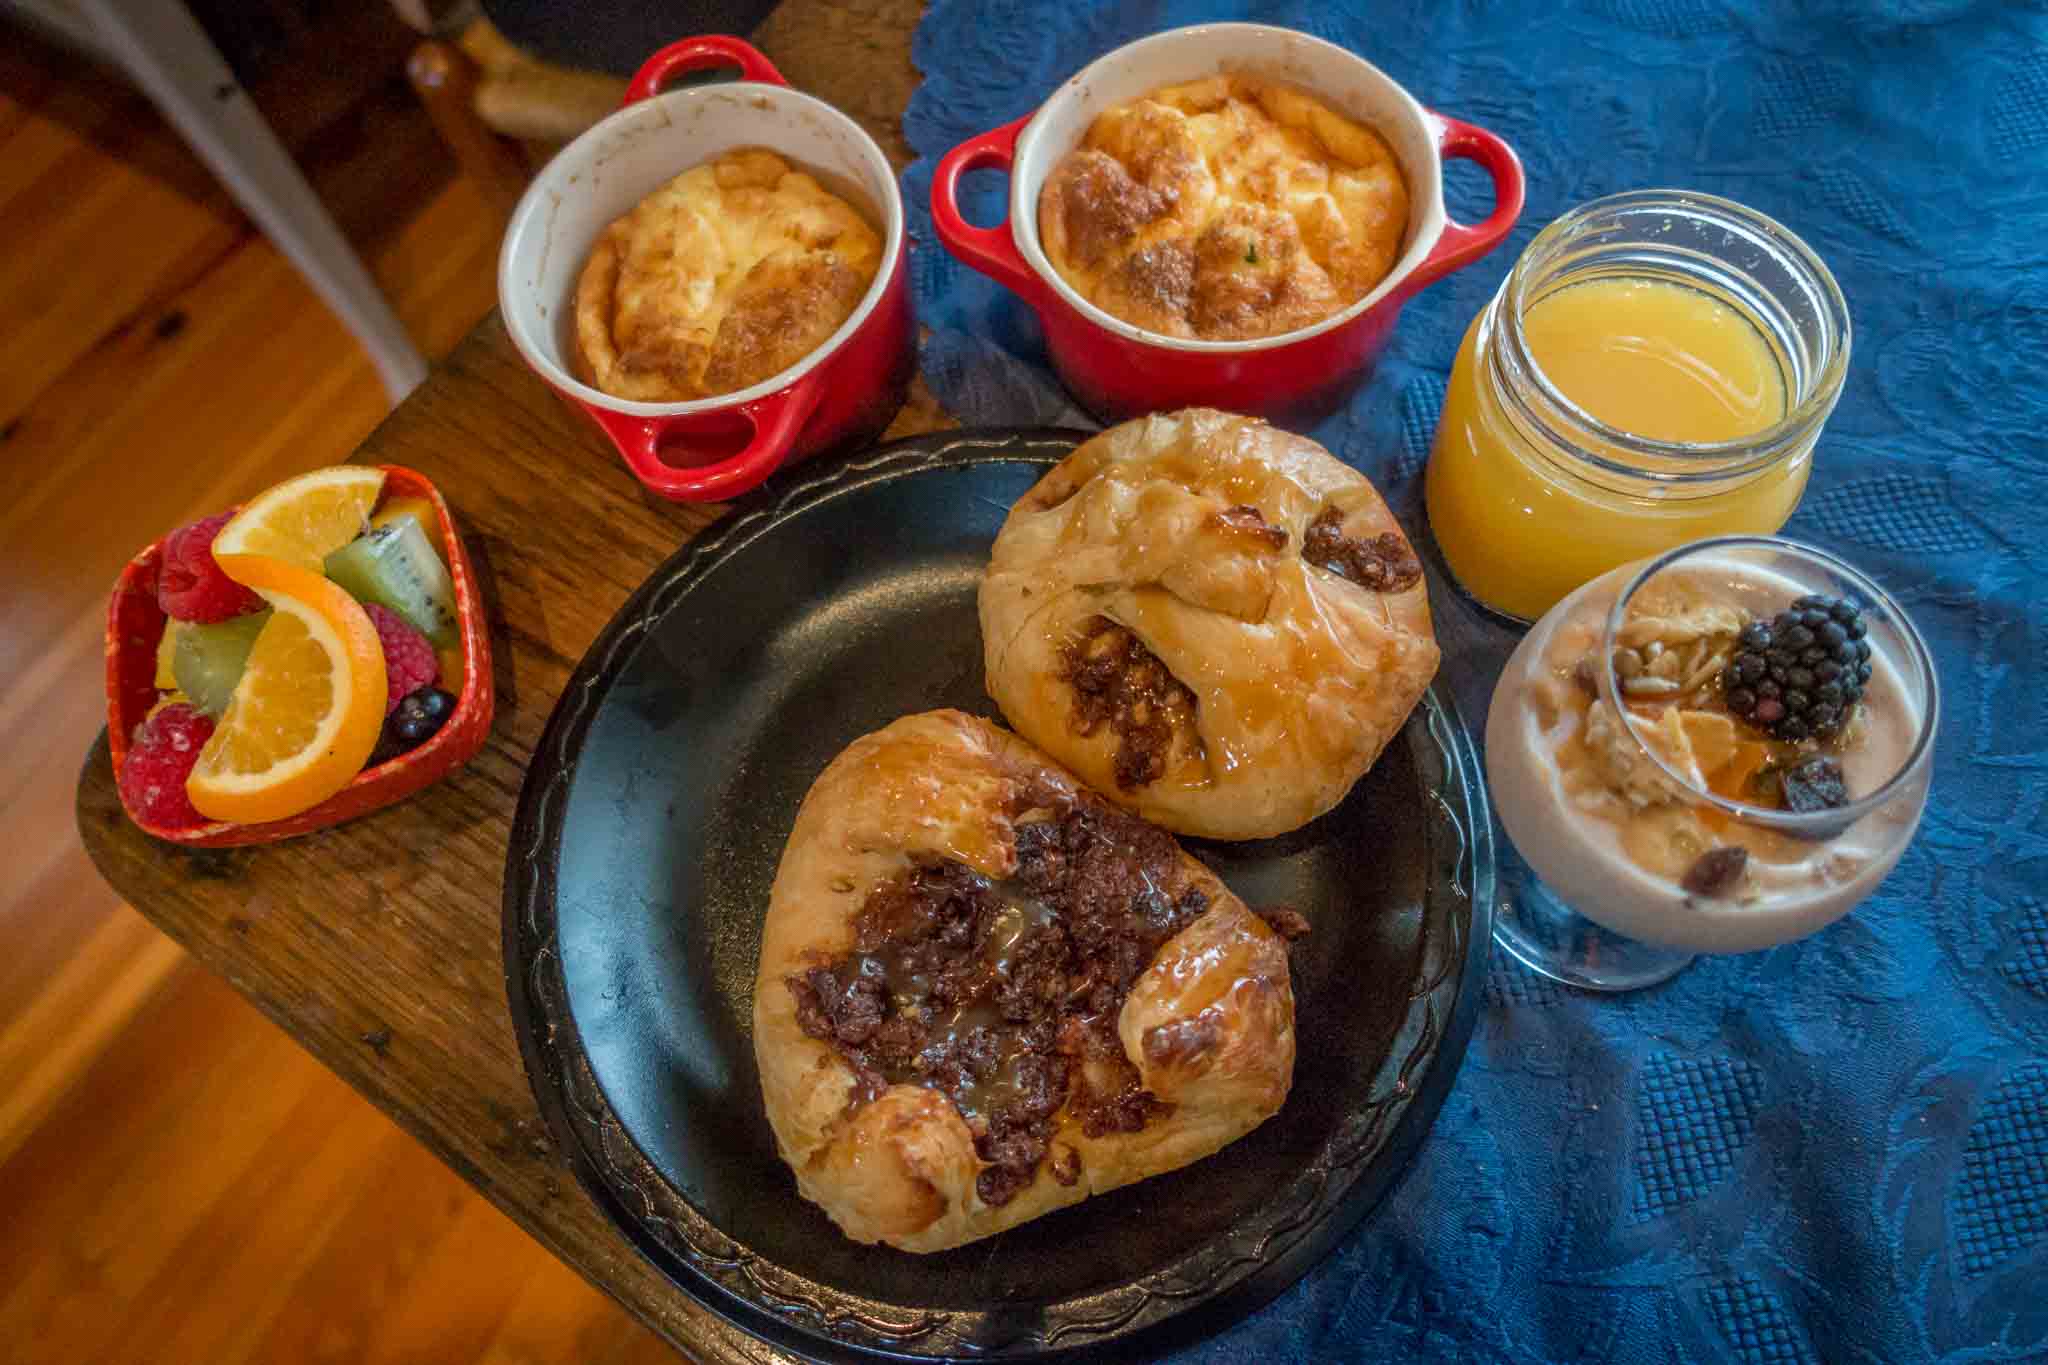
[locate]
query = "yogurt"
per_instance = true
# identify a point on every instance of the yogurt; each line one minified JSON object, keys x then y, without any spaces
{"x":1614,"y":835}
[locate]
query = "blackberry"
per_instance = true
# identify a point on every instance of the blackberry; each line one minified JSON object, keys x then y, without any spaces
{"x":1799,"y":675}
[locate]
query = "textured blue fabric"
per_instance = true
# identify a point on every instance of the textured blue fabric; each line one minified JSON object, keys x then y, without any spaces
{"x":1836,"y":1150}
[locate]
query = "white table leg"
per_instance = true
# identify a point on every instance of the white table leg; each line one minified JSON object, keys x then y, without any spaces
{"x":169,"y":55}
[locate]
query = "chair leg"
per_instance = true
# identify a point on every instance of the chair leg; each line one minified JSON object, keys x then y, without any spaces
{"x":445,"y":79}
{"x":170,"y":57}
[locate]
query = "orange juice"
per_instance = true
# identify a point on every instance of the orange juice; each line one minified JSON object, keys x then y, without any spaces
{"x":1655,"y":369}
{"x":1656,"y":359}
{"x":1523,"y":517}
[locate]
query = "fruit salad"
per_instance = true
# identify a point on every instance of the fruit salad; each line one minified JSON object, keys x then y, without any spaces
{"x":297,"y":661}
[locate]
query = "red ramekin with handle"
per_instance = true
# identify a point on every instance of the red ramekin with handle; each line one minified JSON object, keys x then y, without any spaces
{"x":842,"y":393}
{"x":1119,"y":370}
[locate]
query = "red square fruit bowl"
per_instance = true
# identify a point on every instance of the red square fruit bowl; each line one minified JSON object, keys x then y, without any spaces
{"x":135,"y":627}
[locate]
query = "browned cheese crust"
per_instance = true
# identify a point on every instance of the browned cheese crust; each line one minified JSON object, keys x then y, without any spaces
{"x":729,"y":274}
{"x":1223,"y":210}
{"x":887,"y":1089}
{"x":1210,"y":620}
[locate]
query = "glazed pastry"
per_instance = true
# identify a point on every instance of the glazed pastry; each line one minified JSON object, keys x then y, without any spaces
{"x":985,"y":993}
{"x":1224,"y":209}
{"x":1210,"y":620}
{"x":729,"y":274}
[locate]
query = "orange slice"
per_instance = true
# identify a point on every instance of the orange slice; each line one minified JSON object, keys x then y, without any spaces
{"x":309,"y":705}
{"x":304,"y":519}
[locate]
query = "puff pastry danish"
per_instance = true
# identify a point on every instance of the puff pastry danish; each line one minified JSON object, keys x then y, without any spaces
{"x":985,"y":993}
{"x":1211,"y":621}
{"x":1224,"y":209}
{"x":727,"y":275}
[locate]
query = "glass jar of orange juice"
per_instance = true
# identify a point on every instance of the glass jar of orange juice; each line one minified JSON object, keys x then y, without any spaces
{"x":1654,"y":370}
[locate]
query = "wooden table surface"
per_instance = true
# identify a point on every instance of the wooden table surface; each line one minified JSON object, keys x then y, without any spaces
{"x":376,"y":944}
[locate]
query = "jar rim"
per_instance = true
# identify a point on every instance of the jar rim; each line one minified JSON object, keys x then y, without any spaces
{"x":1920,"y":660}
{"x":1696,"y":460}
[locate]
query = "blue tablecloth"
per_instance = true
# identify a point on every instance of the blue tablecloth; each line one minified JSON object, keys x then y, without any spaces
{"x":1836,"y":1150}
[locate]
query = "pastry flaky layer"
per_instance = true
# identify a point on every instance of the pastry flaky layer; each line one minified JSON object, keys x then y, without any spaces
{"x":730,"y":273}
{"x":1212,"y":621}
{"x":1225,"y":209}
{"x":1196,"y":1041}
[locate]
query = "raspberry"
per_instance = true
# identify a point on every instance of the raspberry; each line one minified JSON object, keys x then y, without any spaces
{"x":153,"y":775}
{"x":409,"y":662}
{"x":190,"y":585}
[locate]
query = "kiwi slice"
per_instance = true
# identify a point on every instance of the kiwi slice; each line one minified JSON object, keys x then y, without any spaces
{"x":396,"y":566}
{"x":207,"y":660}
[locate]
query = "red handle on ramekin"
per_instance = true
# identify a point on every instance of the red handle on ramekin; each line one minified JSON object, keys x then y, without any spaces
{"x":776,"y":421}
{"x":992,"y":251}
{"x":1460,"y":245}
{"x":696,"y":54}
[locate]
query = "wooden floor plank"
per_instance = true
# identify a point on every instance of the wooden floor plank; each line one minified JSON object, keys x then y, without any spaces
{"x":52,"y":912}
{"x":303,"y":1175}
{"x":61,"y":202}
{"x":374,"y":1257}
{"x":458,"y":1296}
{"x":95,"y":993}
{"x":131,"y":1160}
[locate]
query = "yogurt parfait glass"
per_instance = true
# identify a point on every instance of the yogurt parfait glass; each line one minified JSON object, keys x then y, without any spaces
{"x":1717,"y":750}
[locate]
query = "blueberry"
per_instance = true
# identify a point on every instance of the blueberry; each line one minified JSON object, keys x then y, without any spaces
{"x":1741,"y":700}
{"x":1799,"y":637}
{"x":421,"y":714}
{"x":1832,"y":634}
{"x":1801,"y":678}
